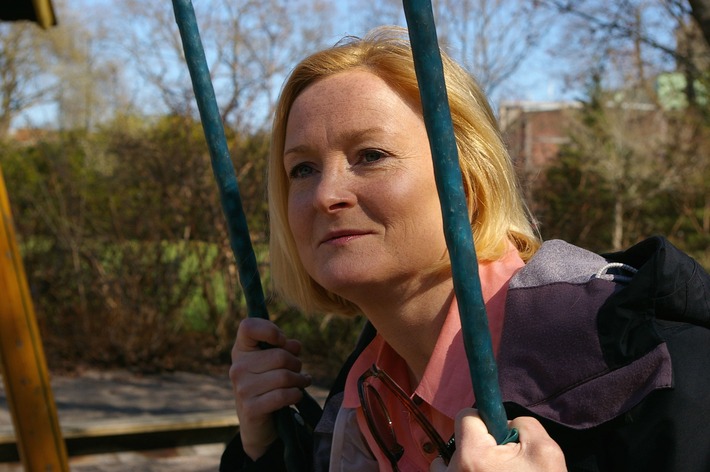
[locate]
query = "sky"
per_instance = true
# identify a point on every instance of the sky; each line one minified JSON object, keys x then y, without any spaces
{"x":534,"y":81}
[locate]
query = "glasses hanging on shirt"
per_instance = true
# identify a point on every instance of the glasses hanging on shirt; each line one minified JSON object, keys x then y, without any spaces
{"x":380,"y":422}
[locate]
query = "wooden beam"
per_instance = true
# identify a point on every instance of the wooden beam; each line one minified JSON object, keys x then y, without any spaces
{"x":24,"y":367}
{"x":135,"y":433}
{"x":38,"y":11}
{"x":44,"y":13}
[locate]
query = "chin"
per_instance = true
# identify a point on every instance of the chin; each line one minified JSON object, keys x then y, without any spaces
{"x":345,"y":285}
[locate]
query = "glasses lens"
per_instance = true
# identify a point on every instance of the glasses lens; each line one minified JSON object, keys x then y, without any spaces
{"x":380,"y":423}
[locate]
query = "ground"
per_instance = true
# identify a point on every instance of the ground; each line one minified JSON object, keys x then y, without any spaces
{"x":96,"y":395}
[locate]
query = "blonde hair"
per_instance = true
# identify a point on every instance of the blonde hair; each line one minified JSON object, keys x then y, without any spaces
{"x":497,"y":212}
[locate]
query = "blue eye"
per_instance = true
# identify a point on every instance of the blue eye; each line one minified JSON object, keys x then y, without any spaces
{"x":300,"y":171}
{"x":372,"y":155}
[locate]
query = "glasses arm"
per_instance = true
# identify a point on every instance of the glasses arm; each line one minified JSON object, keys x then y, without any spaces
{"x":445,"y":450}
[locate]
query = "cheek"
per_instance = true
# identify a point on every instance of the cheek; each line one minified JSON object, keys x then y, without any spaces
{"x":415,"y":196}
{"x":298,"y":218}
{"x":421,"y":202}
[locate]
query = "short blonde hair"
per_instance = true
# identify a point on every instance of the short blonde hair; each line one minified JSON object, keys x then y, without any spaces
{"x":497,"y":212}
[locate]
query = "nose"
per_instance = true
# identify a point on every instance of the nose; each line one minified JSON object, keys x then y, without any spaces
{"x":335,"y":190}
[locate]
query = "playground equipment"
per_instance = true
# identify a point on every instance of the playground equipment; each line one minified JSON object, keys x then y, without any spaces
{"x":24,"y":367}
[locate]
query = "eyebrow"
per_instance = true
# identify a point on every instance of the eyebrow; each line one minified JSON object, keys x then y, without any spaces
{"x":300,"y":149}
{"x":347,"y":137}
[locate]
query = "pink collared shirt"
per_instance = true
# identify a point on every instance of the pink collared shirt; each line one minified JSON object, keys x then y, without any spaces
{"x":445,"y":388}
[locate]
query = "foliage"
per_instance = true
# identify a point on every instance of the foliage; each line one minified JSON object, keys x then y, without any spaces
{"x":568,"y":191}
{"x":628,"y":174}
{"x":126,"y":250}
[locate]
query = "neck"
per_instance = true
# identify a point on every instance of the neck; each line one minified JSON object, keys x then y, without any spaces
{"x":411,"y":320}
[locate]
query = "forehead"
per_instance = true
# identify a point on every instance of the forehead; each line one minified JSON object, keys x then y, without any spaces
{"x":357,"y":80}
{"x":350,"y":98}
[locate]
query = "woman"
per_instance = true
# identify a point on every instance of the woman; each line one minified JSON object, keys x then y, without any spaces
{"x":356,"y":227}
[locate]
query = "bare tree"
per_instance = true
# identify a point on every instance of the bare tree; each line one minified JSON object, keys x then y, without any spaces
{"x":91,"y":86}
{"x":625,"y":150}
{"x":64,"y":69}
{"x":606,"y":34}
{"x":250,"y":46}
{"x":23,"y":77}
{"x":492,"y":38}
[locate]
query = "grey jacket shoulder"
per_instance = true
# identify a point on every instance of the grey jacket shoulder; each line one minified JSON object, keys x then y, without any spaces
{"x":560,"y":262}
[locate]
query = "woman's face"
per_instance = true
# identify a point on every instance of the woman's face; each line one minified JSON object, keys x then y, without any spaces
{"x":362,"y":201}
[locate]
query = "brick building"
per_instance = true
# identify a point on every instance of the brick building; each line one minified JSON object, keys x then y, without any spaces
{"x":534,"y":131}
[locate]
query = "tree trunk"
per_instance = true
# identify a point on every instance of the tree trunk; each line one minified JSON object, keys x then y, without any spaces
{"x":4,"y":127}
{"x":701,"y":13}
{"x":618,"y":234}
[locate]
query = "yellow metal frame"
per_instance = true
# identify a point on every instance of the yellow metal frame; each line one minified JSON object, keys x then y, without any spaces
{"x":24,"y":367}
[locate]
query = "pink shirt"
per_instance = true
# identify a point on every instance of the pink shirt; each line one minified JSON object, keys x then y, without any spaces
{"x":445,"y":388}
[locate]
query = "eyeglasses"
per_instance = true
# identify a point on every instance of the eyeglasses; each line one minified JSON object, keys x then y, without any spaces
{"x":380,"y":422}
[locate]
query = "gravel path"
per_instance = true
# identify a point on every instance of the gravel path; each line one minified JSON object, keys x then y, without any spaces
{"x":95,"y":395}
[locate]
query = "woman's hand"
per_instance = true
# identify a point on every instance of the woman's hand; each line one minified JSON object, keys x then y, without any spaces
{"x":264,"y":380}
{"x":477,"y":451}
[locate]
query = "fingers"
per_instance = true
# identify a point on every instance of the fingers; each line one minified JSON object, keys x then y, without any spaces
{"x":528,"y":427}
{"x":256,"y":372}
{"x":476,"y":449}
{"x":268,"y":391}
{"x":471,"y":431}
{"x":264,"y":380}
{"x":260,"y":361}
{"x":536,"y":445}
{"x":254,"y":331}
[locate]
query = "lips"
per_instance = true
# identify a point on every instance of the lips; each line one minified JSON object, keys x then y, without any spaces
{"x":342,"y":236}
